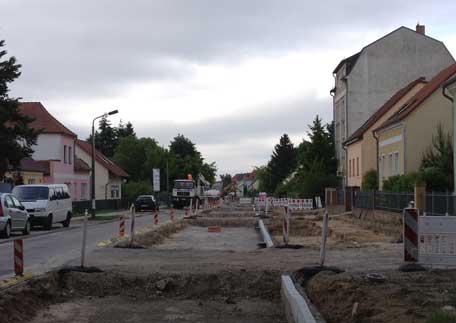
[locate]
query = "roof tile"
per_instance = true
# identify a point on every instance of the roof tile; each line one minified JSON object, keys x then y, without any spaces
{"x":102,"y":159}
{"x":44,"y":121}
{"x":420,"y":96}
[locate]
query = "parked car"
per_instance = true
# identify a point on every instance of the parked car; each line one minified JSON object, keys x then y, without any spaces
{"x":146,"y":203}
{"x":46,"y":204}
{"x":13,"y":216}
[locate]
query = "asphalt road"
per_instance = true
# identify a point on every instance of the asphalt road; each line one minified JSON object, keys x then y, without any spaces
{"x":46,"y":250}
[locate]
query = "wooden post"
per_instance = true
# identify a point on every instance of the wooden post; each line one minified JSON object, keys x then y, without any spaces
{"x":420,"y":197}
{"x":324,"y":235}
{"x":132,"y":227}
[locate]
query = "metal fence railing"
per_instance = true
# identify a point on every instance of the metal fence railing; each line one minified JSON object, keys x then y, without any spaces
{"x":395,"y":202}
{"x":386,"y":201}
{"x":439,"y":203}
{"x":435,"y":203}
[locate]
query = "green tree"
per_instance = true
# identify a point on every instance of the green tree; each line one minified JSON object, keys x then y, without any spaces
{"x":318,"y":153}
{"x":437,"y":163}
{"x":370,"y":180}
{"x":182,"y":146}
{"x":126,"y":130}
{"x":263,"y":175}
{"x":16,"y":137}
{"x":105,"y":137}
{"x":133,"y":189}
{"x":186,"y":159}
{"x":314,"y":169}
{"x":138,"y":157}
{"x":283,"y":161}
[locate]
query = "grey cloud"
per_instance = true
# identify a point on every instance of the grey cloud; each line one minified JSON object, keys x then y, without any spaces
{"x":92,"y":48}
{"x":273,"y":119}
{"x":241,"y":140}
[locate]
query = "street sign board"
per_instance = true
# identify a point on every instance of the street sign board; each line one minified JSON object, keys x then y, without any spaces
{"x":156,"y":179}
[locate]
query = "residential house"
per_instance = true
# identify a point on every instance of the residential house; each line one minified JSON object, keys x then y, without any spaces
{"x":367,"y":79}
{"x":406,"y":135}
{"x":29,"y":172}
{"x":108,"y":175}
{"x":361,"y":146}
{"x":55,"y":150}
{"x":245,"y":182}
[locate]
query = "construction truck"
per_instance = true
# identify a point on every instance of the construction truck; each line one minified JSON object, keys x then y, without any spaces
{"x":186,"y":190}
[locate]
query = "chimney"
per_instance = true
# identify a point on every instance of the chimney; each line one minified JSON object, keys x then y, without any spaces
{"x":421,"y":29}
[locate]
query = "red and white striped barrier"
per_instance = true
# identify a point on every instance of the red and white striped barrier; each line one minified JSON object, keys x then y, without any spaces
{"x":18,"y":257}
{"x":121,"y":226}
{"x":286,"y":226}
{"x":411,"y":231}
{"x":171,"y":215}
{"x":156,"y":218}
{"x":300,"y":204}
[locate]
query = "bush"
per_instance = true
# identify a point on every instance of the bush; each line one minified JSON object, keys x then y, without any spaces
{"x":370,"y":181}
{"x":436,"y":180}
{"x":401,"y":183}
{"x":433,"y":178}
{"x":133,"y":189}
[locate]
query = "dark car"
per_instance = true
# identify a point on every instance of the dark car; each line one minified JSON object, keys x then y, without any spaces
{"x":146,"y":203}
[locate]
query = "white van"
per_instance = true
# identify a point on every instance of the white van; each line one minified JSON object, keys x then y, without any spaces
{"x":46,"y":204}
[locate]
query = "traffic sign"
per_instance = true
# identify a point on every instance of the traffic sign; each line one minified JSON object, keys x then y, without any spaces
{"x":156,"y":179}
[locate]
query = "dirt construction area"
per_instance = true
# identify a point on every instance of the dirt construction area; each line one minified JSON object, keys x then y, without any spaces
{"x":187,"y":271}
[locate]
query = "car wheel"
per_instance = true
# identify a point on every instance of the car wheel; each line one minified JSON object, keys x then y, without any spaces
{"x":6,"y":233}
{"x":27,"y":228}
{"x":48,"y":224}
{"x":67,"y":221}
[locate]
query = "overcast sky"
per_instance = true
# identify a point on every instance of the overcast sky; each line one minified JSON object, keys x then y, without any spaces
{"x":231,"y":75}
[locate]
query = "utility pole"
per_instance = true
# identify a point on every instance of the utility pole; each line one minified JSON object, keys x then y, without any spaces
{"x":93,"y":160}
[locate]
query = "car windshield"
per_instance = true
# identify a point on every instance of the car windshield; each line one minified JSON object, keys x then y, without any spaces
{"x":144,"y":198}
{"x":183,"y":185}
{"x":31,"y":193}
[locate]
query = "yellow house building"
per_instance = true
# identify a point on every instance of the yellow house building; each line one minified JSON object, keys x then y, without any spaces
{"x":404,"y":137}
{"x":361,"y":146}
{"x":29,"y":172}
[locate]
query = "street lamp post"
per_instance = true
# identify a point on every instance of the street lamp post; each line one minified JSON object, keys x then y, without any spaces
{"x":93,"y":159}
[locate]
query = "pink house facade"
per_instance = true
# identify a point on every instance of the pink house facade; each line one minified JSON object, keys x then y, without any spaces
{"x":56,"y":144}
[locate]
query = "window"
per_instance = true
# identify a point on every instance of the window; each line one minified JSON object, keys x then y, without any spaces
{"x":357,"y":166}
{"x":390,"y":164}
{"x":349,"y":168}
{"x":31,"y":193}
{"x":31,"y":181}
{"x":16,"y":202}
{"x":382,"y":166}
{"x":58,"y":193}
{"x":396,"y":163}
{"x":66,"y":191}
{"x":115,"y":191}
{"x":70,"y":155}
{"x":83,"y":191}
{"x":8,"y":202}
{"x":65,"y":154}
